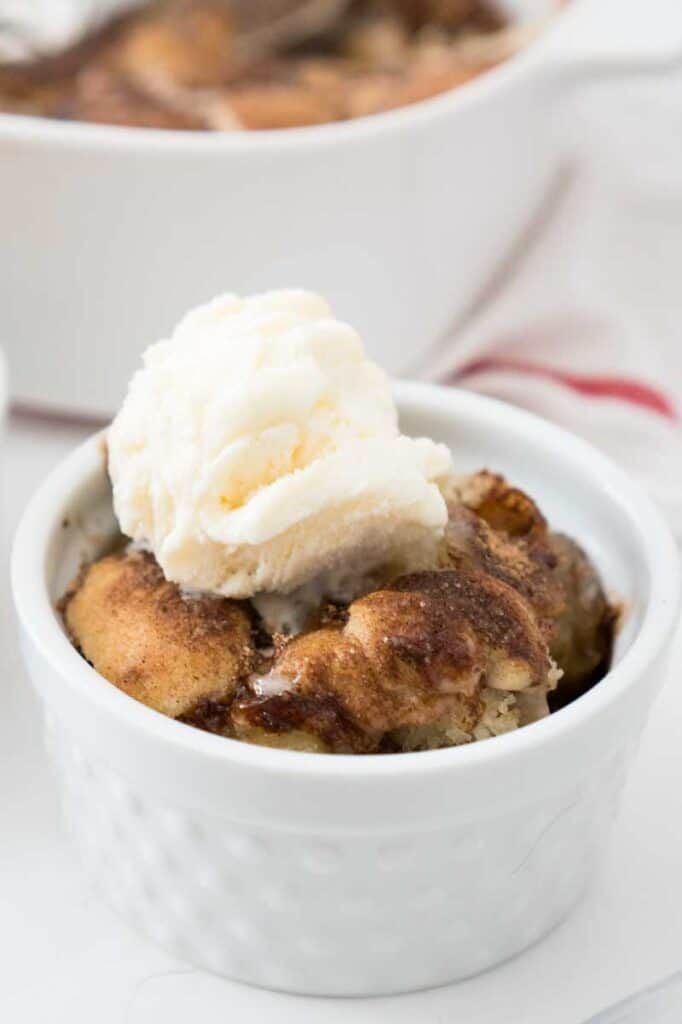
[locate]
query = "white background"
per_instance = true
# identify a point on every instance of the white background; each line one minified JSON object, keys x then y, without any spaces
{"x":64,"y":958}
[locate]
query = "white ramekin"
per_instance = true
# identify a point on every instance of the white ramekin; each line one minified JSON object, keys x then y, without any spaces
{"x":403,"y":220}
{"x":340,"y":874}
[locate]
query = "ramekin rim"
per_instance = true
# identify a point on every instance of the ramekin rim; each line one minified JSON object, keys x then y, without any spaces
{"x":38,"y":617}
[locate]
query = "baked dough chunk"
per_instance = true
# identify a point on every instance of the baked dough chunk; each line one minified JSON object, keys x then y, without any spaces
{"x":582,"y":642}
{"x":498,"y":529}
{"x":182,"y":656}
{"x":510,"y":620}
{"x":435,"y":659}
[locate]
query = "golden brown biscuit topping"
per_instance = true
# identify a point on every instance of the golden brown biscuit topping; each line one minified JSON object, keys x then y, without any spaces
{"x":470,"y":649}
{"x":415,"y":656}
{"x":141,"y":634}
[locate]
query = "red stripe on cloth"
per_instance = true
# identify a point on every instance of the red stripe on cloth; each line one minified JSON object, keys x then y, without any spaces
{"x":623,"y":388}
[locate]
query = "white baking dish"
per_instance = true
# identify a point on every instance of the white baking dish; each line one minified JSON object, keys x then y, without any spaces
{"x":342,"y":874}
{"x":401,"y":219}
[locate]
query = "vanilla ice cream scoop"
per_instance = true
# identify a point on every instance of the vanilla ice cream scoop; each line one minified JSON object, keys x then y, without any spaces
{"x":258,"y":449}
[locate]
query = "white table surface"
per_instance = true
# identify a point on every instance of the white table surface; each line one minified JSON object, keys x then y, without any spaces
{"x":65,"y":958}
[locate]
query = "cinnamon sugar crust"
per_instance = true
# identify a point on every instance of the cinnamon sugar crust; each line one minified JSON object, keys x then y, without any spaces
{"x":316,"y":722}
{"x":415,"y":655}
{"x":469,"y":649}
{"x":525,"y":562}
{"x":499,"y":529}
{"x":166,"y":651}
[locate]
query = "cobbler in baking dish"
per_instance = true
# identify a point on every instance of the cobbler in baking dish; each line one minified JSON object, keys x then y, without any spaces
{"x":294,"y":572}
{"x":222,"y":66}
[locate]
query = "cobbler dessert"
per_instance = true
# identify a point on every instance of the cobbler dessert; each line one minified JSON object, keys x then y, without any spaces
{"x":222,"y":65}
{"x":294,"y":572}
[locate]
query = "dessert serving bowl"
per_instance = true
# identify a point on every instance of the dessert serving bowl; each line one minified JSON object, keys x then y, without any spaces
{"x":402,"y":219}
{"x":366,"y":874}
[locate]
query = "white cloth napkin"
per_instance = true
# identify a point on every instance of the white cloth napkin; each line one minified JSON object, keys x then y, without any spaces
{"x":584,"y":324}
